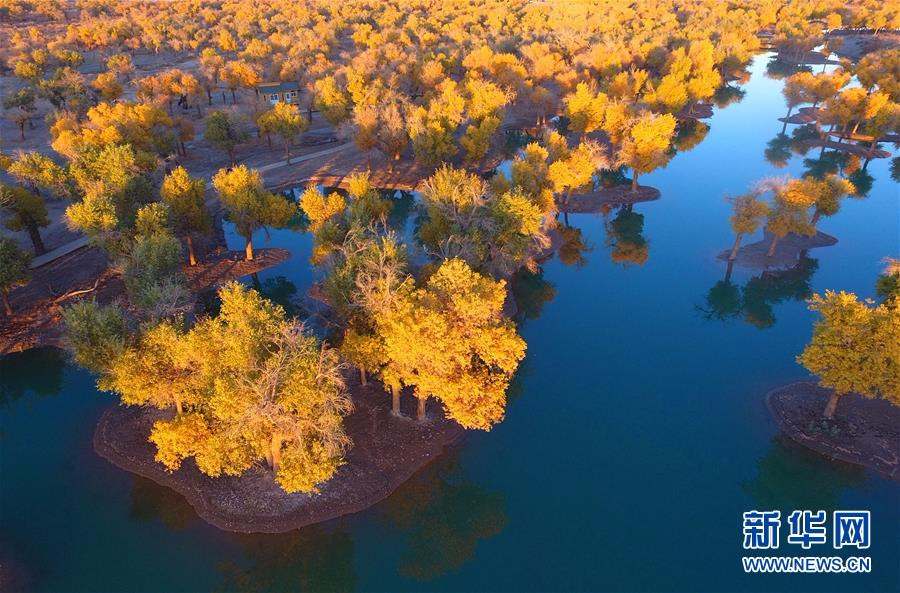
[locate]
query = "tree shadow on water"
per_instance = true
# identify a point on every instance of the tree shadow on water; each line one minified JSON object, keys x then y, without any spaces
{"x":755,"y":300}
{"x":790,"y":476}
{"x":39,"y":371}
{"x":315,"y":558}
{"x":442,"y":516}
{"x":531,"y":292}
{"x":151,"y":501}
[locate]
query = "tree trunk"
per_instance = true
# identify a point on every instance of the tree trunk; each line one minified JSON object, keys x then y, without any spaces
{"x":420,"y":409}
{"x":209,"y":96}
{"x":6,"y":306}
{"x":634,"y":182}
{"x":816,"y":217}
{"x":231,"y":156}
{"x":734,"y":249}
{"x":233,"y":97}
{"x":362,"y":375}
{"x":276,"y":452}
{"x":827,"y":137}
{"x":287,"y":150}
{"x":224,"y":100}
{"x":395,"y":399}
{"x":784,"y":127}
{"x":190,"y":245}
{"x":771,"y":251}
{"x":22,"y":130}
{"x":249,"y":249}
{"x":179,"y":408}
{"x":728,"y":269}
{"x":36,"y":240}
{"x":832,"y":405}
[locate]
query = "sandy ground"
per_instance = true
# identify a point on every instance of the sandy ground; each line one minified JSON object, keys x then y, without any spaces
{"x":863,"y":431}
{"x":787,"y":253}
{"x":610,"y":196}
{"x":387,"y":450}
{"x":855,"y":46}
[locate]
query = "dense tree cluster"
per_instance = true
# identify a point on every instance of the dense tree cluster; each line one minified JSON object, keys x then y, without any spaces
{"x":437,"y":81}
{"x":246,"y":385}
{"x":865,"y":112}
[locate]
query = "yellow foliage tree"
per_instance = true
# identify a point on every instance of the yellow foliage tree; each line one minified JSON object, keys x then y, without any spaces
{"x":449,"y":340}
{"x":855,"y":348}
{"x":646,"y":144}
{"x":585,"y":108}
{"x":248,"y":385}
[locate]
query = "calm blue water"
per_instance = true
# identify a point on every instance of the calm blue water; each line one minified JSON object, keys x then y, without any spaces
{"x":636,"y":434}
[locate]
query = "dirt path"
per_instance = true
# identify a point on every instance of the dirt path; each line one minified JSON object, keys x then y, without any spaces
{"x":85,"y":273}
{"x":67,"y":248}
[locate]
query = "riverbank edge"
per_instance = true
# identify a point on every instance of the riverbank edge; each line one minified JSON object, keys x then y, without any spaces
{"x":41,"y":325}
{"x":387,"y":451}
{"x":863,"y":425}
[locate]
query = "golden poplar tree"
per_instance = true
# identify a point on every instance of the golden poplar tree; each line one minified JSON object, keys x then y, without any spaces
{"x":645,"y":146}
{"x":855,"y":348}
{"x":449,"y":340}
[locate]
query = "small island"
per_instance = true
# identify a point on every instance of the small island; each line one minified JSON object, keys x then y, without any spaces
{"x":387,"y":450}
{"x":866,"y":432}
{"x":853,"y":412}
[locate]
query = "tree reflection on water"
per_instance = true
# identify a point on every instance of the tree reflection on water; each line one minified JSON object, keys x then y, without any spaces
{"x":790,"y":476}
{"x":442,"y":516}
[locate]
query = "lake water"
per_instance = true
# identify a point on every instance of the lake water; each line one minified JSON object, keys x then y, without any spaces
{"x":636,"y":432}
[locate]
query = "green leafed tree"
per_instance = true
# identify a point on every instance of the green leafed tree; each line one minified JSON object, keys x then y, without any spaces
{"x":248,"y":205}
{"x":185,"y":197}
{"x":24,"y":211}
{"x":14,"y":270}
{"x":225,"y":132}
{"x":95,"y":334}
{"x":283,"y":120}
